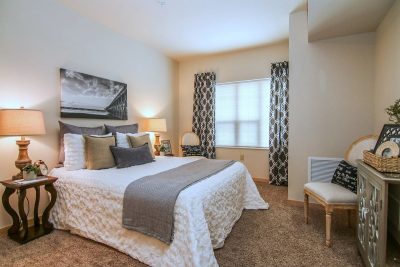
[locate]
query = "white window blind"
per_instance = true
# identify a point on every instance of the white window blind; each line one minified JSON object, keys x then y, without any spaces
{"x":242,"y":113}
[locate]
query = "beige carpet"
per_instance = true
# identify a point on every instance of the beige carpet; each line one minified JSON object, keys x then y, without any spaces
{"x":275,"y":237}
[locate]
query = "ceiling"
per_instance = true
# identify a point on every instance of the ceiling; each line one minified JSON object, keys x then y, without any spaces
{"x":187,"y":28}
{"x":333,"y":18}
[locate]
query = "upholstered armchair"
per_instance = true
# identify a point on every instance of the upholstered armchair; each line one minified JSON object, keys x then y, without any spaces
{"x":333,"y":196}
{"x":190,"y":145}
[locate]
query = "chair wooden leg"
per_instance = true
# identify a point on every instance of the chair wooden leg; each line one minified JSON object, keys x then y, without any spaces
{"x":328,"y":216}
{"x":306,"y":207}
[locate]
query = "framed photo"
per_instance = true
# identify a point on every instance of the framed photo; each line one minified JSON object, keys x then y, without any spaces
{"x":88,"y":96}
{"x":390,"y":132}
{"x":167,"y":145}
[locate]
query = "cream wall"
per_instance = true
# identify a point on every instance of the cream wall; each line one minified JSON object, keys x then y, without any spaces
{"x":235,"y":66}
{"x":331,"y":96}
{"x":387,"y":90}
{"x":37,"y":38}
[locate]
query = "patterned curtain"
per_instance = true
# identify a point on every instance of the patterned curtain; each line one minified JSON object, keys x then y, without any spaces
{"x":204,"y":112}
{"x":279,"y":124}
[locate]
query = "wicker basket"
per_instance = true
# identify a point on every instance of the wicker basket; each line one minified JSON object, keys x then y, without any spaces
{"x":382,"y":164}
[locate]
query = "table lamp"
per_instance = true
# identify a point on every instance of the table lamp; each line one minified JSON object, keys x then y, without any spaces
{"x":21,"y":122}
{"x":156,"y":126}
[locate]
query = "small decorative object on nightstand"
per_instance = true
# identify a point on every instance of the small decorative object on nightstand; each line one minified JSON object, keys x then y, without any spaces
{"x":162,"y":150}
{"x":21,"y":122}
{"x":157,"y":126}
{"x":26,"y":234}
{"x":30,"y":171}
{"x":167,"y":147}
{"x":43,"y":169}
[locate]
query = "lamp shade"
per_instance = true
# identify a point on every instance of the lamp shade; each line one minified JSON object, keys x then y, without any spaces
{"x":157,"y":125}
{"x":21,"y":122}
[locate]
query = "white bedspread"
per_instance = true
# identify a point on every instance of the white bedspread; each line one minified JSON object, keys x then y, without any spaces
{"x":89,"y":204}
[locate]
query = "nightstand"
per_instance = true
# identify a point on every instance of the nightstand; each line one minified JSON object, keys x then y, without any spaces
{"x":38,"y":229}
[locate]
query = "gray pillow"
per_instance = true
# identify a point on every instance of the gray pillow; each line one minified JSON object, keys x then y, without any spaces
{"x":130,"y":128}
{"x":69,"y":128}
{"x":127,"y":157}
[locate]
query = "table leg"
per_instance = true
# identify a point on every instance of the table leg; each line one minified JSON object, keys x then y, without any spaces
{"x":36,"y":210}
{"x":22,"y":214}
{"x":45,"y":217}
{"x":6,"y":203}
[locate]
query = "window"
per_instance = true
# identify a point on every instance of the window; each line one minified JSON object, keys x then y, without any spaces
{"x":242,"y":113}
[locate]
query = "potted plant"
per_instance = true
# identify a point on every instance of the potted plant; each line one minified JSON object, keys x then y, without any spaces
{"x":394,"y":112}
{"x":162,"y":150}
{"x":30,"y":171}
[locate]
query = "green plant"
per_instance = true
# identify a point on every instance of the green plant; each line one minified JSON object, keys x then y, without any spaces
{"x":163,"y":148}
{"x":394,"y":112}
{"x":31,"y":168}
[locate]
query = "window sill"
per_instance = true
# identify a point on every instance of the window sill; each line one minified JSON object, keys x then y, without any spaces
{"x":243,"y":147}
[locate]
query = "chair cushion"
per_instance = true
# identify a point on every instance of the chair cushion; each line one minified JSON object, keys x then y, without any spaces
{"x":332,"y":193}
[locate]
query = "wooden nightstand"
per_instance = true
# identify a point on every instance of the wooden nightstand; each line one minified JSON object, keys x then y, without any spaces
{"x":38,"y":229}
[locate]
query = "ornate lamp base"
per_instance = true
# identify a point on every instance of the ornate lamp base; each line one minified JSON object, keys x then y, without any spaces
{"x":157,"y":145}
{"x":23,"y":157}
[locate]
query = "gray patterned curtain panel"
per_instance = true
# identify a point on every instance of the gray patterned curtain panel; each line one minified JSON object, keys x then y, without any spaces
{"x":204,"y":112}
{"x":279,"y":124}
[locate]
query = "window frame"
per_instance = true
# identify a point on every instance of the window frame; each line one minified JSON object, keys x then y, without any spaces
{"x":236,"y":122}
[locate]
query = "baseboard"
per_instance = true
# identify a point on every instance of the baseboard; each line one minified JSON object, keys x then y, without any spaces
{"x":5,"y":228}
{"x":260,"y":180}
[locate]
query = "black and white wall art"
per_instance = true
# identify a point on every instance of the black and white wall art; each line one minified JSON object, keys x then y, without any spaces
{"x":87,"y":96}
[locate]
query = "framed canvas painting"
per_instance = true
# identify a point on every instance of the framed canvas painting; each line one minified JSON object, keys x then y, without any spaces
{"x":88,"y":96}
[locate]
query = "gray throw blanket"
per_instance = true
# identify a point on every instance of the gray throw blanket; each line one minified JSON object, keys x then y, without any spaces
{"x":149,"y":202}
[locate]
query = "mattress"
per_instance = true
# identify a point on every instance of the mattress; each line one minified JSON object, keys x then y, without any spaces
{"x":89,"y":204}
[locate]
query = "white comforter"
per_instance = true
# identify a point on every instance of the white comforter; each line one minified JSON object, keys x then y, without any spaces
{"x":89,"y":204}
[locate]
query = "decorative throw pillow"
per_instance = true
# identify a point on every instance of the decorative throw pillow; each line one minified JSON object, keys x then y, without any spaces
{"x":346,"y":176}
{"x":123,"y":140}
{"x":75,"y":155}
{"x":192,"y":151}
{"x":141,"y":139}
{"x":69,"y":128}
{"x":130,"y":128}
{"x":98,"y":153}
{"x":74,"y":148}
{"x":127,"y":157}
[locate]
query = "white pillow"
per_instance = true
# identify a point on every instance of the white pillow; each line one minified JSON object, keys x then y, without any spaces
{"x":75,"y":154}
{"x":74,"y":148}
{"x":122,"y":139}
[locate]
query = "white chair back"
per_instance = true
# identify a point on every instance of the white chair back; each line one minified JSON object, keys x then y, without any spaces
{"x":190,"y":139}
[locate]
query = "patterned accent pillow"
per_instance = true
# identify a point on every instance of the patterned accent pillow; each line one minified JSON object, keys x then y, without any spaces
{"x":346,"y":176}
{"x":192,"y":151}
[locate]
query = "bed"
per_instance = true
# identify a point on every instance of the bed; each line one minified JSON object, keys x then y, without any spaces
{"x":89,"y":204}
